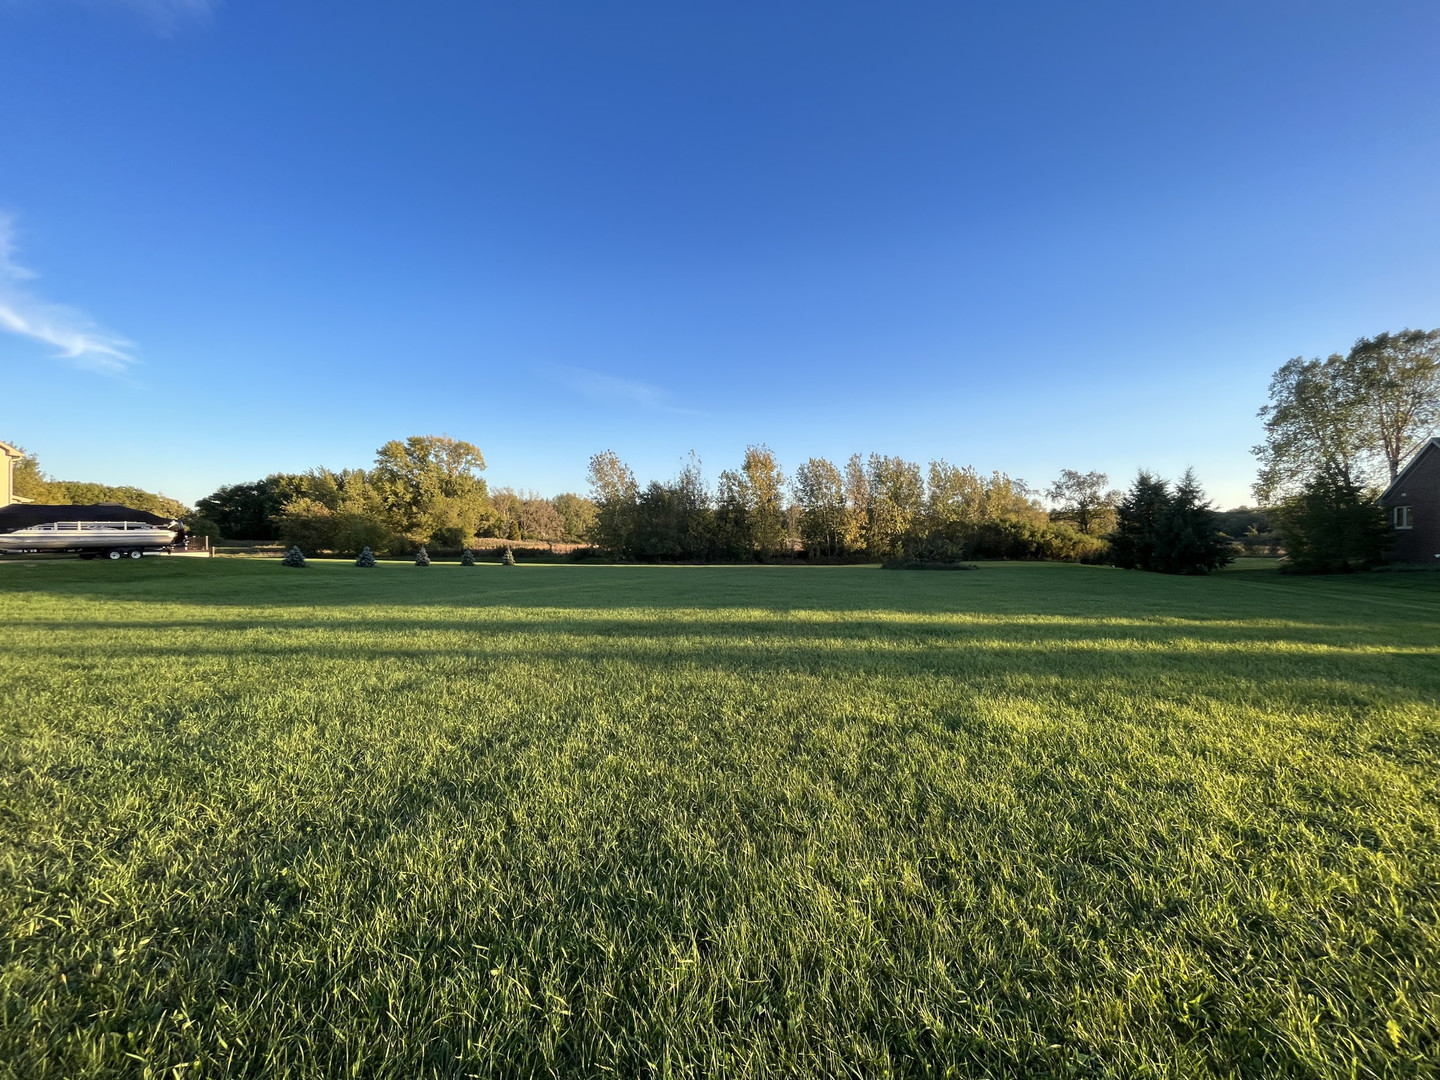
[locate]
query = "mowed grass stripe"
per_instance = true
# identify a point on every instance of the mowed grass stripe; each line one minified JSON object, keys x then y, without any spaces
{"x":1053,"y":820}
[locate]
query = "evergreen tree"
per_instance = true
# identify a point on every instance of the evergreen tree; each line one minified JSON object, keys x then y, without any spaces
{"x":1187,"y":538}
{"x":1132,"y":544}
{"x":508,"y":559}
{"x":467,"y":558}
{"x":293,"y":557}
{"x":367,"y":558}
{"x":1333,"y":525}
{"x":422,"y":557}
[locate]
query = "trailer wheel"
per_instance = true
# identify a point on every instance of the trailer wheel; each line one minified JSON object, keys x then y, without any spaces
{"x":114,"y":554}
{"x":136,"y":554}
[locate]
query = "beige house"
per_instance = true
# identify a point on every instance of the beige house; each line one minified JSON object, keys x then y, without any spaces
{"x":7,"y":474}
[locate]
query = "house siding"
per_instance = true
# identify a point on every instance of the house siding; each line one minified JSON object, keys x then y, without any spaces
{"x":9,"y":456}
{"x":1418,"y":487}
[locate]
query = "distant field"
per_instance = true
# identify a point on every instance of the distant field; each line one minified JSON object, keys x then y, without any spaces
{"x":745,"y":821}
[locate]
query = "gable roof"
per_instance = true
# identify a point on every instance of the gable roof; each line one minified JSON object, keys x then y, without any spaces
{"x":1431,"y":446}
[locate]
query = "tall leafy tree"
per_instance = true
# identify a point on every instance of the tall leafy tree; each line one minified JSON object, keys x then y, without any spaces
{"x":819,"y":491}
{"x":857,"y":504}
{"x":750,"y":506}
{"x":504,"y":514}
{"x":696,"y":514}
{"x":251,"y":511}
{"x":658,"y":527}
{"x":1085,"y":500}
{"x":338,"y":511}
{"x":764,"y":494}
{"x":733,"y":536}
{"x":577,"y":514}
{"x":1010,"y":498}
{"x":897,"y":503}
{"x":308,"y":524}
{"x":1313,"y":424}
{"x":954,"y":501}
{"x":1351,"y":418}
{"x":615,"y":495}
{"x":1395,"y":380}
{"x":430,"y":483}
{"x":539,"y":520}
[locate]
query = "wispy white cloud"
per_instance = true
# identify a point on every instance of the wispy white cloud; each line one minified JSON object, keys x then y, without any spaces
{"x":68,"y":329}
{"x":612,"y":389}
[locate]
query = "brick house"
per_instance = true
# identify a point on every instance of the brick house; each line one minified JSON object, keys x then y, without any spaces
{"x":1412,"y":503}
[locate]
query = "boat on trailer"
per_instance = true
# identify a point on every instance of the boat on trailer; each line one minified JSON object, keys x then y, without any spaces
{"x":107,"y":529}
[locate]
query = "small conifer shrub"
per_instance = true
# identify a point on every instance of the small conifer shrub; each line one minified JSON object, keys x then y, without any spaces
{"x":293,"y":557}
{"x":508,"y":559}
{"x":422,"y":557}
{"x":367,"y":558}
{"x":467,"y":558}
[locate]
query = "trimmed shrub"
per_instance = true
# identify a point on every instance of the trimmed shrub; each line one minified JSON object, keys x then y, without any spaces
{"x":508,"y":559}
{"x":467,"y":558}
{"x":293,"y":557}
{"x":422,"y":557}
{"x":367,"y":558}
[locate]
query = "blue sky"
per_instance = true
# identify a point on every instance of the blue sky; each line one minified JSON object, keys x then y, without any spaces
{"x":253,"y":236}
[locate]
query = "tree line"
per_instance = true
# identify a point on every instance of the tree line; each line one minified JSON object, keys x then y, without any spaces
{"x":429,"y":491}
{"x":423,"y":490}
{"x":888,"y":509}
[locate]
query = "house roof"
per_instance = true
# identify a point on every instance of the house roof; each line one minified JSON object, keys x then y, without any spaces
{"x":1433,"y":445}
{"x":10,"y":451}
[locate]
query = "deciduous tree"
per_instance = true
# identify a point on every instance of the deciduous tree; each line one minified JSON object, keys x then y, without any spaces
{"x":896,"y":503}
{"x":577,"y":514}
{"x":1396,"y":381}
{"x":1351,"y":418}
{"x":1085,"y":500}
{"x":615,"y":495}
{"x":539,"y":520}
{"x":764,"y":494}
{"x":819,"y":491}
{"x":857,"y":504}
{"x":428,"y":483}
{"x":1313,"y":424}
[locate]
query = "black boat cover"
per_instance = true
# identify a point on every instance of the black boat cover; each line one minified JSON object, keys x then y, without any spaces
{"x":25,"y":515}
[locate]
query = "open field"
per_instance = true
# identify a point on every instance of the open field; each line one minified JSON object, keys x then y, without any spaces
{"x":588,"y":820}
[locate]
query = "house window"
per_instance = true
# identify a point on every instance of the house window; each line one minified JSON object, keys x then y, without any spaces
{"x":1404,"y":519}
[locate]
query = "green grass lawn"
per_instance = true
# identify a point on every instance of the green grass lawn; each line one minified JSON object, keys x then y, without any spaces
{"x":760,"y":821}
